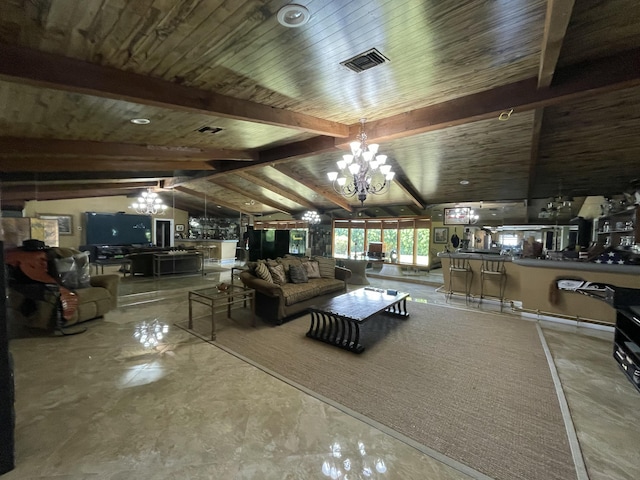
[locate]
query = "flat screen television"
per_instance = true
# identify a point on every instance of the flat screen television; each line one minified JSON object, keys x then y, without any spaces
{"x":117,"y":229}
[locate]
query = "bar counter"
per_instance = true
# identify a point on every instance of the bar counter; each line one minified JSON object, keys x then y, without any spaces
{"x":223,"y":251}
{"x":529,"y":282}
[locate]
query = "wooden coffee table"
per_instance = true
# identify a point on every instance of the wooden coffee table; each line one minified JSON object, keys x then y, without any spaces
{"x":338,"y":320}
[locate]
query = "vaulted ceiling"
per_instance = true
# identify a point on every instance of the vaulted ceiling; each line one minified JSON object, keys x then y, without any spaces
{"x":564,"y":78}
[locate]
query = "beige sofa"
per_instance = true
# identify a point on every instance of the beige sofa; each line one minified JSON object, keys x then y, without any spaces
{"x":277,"y":303}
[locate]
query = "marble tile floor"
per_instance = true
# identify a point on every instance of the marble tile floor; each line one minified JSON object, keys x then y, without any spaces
{"x":102,"y":406}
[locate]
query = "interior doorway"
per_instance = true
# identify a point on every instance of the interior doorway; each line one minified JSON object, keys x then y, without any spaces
{"x":163,"y":232}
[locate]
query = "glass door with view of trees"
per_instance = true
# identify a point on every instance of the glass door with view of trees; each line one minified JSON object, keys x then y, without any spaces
{"x":409,"y":238}
{"x":356,"y":242}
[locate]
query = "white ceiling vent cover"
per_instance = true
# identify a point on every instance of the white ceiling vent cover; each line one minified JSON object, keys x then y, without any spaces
{"x":365,"y":61}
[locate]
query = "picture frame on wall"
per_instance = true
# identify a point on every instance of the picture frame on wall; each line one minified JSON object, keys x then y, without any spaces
{"x":179,"y":227}
{"x":65,"y":222}
{"x":440,"y":235}
{"x":457,"y":216}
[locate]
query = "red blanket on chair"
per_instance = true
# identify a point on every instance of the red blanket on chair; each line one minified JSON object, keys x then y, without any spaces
{"x":34,"y":265}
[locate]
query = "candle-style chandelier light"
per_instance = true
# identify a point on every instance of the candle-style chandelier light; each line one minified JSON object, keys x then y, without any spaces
{"x":311,"y":217}
{"x":362,"y":172}
{"x":149,"y":204}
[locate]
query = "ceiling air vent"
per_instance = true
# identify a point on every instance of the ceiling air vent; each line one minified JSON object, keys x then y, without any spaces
{"x":365,"y":61}
{"x":209,"y":129}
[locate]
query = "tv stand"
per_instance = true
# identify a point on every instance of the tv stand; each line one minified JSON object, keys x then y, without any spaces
{"x":626,"y":301}
{"x":626,"y":350}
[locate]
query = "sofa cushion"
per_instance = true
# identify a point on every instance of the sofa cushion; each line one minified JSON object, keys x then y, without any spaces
{"x":262,"y":271}
{"x":298,"y":292}
{"x":286,"y":262}
{"x":327,"y":285}
{"x":312,"y":268}
{"x":327,"y":266}
{"x":278,"y":274}
{"x":298,"y":274}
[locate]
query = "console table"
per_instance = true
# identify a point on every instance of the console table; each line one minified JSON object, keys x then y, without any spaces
{"x":164,"y":263}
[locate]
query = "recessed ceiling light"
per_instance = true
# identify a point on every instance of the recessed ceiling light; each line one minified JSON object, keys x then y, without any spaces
{"x":140,"y":121}
{"x":464,"y":182}
{"x":293,"y":15}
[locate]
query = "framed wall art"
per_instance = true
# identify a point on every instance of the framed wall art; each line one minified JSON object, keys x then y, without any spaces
{"x":65,"y":222}
{"x":457,"y":216}
{"x":440,"y":235}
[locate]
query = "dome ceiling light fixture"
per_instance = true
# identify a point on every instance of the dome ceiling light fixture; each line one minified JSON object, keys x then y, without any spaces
{"x":293,"y":15}
{"x":140,"y":121}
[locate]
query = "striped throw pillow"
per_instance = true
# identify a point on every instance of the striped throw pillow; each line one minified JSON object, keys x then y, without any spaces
{"x":327,"y":266}
{"x":262,"y":271}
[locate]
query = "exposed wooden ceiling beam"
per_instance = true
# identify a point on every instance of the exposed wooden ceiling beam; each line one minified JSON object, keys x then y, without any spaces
{"x":243,"y":191}
{"x":576,"y":81}
{"x":410,"y":192}
{"x":570,"y":83}
{"x":289,"y":152}
{"x":20,"y":147}
{"x":216,"y":201}
{"x":96,"y":192}
{"x":249,"y":177}
{"x":535,"y":147}
{"x":555,"y":29}
{"x":322,"y":191}
{"x":29,"y":192}
{"x":62,"y":73}
{"x":89,"y":164}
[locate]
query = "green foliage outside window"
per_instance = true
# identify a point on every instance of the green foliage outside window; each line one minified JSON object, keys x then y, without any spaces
{"x":340,"y":243}
{"x":357,"y":241}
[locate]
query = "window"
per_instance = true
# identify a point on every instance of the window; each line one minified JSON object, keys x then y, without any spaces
{"x":422,"y":247}
{"x":390,"y":241}
{"x":340,"y":242}
{"x":509,"y":240}
{"x":408,"y":238}
{"x":406,"y":245}
{"x":356,"y":242}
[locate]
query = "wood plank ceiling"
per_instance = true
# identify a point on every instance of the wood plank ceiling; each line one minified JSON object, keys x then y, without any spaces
{"x":565,"y":77}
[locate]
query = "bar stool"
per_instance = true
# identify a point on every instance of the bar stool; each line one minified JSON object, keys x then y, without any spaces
{"x":493,"y":268}
{"x":460,"y":266}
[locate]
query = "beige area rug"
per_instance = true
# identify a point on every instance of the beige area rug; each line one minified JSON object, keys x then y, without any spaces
{"x":475,"y":387}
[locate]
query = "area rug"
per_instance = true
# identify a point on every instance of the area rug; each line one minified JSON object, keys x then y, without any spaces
{"x":475,"y":387}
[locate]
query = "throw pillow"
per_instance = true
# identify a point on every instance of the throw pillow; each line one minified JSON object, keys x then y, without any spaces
{"x":67,"y":273}
{"x":262,"y":271}
{"x":287,"y":262}
{"x":298,"y":274}
{"x":327,"y":266}
{"x":83,"y":269}
{"x":277,"y":272}
{"x":312,"y":269}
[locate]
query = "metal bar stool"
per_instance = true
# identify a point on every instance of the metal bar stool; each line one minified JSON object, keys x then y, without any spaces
{"x":493,"y":268}
{"x":459,"y":266}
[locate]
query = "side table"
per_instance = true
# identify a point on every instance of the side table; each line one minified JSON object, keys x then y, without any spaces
{"x":212,"y":298}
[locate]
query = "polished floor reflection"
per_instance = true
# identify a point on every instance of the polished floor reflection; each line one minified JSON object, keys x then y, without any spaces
{"x":136,"y":397}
